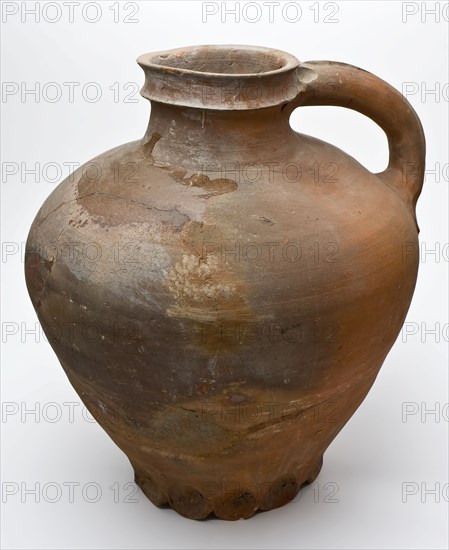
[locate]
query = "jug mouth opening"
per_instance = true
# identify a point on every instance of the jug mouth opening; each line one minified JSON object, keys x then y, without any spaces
{"x":220,"y":77}
{"x":221,"y":60}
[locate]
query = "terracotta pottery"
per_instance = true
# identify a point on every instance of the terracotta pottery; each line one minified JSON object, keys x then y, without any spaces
{"x":223,"y":292}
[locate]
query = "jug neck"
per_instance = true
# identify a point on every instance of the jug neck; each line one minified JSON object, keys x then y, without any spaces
{"x":204,"y":140}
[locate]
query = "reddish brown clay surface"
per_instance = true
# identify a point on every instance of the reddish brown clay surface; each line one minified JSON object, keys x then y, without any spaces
{"x":223,"y":292}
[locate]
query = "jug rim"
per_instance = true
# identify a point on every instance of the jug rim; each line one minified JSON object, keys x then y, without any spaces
{"x":221,"y":77}
{"x":188,"y":59}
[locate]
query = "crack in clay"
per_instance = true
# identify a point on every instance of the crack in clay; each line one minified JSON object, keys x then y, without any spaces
{"x":177,"y":224}
{"x":55,"y":209}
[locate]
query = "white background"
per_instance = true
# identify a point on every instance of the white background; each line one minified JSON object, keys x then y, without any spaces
{"x":382,"y":448}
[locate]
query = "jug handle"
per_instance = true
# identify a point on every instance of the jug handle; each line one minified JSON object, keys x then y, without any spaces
{"x":343,"y":85}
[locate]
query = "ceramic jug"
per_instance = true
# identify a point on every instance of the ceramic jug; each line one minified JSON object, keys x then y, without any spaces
{"x":223,"y":292}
